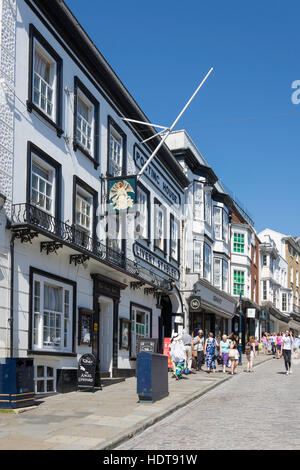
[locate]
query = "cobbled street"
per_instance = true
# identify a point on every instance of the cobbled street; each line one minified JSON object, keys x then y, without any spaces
{"x":260,"y":410}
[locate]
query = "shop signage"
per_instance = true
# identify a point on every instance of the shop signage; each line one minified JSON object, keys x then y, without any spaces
{"x":155,"y":176}
{"x":147,"y":345}
{"x":251,"y":312}
{"x":166,"y":351}
{"x":86,"y":371}
{"x":155,"y":261}
{"x":195,"y":304}
{"x":121,"y":193}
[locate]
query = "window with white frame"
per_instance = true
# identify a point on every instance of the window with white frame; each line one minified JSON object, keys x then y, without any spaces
{"x":225,"y":276}
{"x":115,"y":152}
{"x":85,"y":123}
{"x":264,"y":260}
{"x":174,"y":237}
{"x":217,"y":222}
{"x":291,"y":275}
{"x":238,"y":282}
{"x":198,"y":201}
{"x":42,"y":185}
{"x":44,"y":378}
{"x":84,"y":210}
{"x":207,"y":262}
{"x":265,"y":293}
{"x":197,"y":256}
{"x":140,"y":326}
{"x":44,"y":80}
{"x":218,"y":273}
{"x":52,"y":317}
{"x":238,"y":242}
{"x":160,"y":227}
{"x":284,"y":302}
{"x":297,"y":278}
{"x":207,"y":207}
{"x":254,"y":290}
{"x":142,"y":213}
{"x":114,"y":230}
{"x":225,"y":226}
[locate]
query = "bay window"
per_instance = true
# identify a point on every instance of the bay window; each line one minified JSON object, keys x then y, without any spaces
{"x":225,"y":226}
{"x":218,"y":222}
{"x":217,"y":273}
{"x":238,"y":242}
{"x":198,"y":208}
{"x":225,"y":276}
{"x":207,"y":262}
{"x":238,"y":282}
{"x":207,"y":206}
{"x":198,"y":247}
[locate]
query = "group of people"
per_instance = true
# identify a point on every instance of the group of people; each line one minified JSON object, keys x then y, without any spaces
{"x":281,"y":345}
{"x":193,"y":351}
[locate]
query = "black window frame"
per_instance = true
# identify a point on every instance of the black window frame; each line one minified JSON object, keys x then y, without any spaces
{"x":165,"y":224}
{"x":34,"y":34}
{"x":147,"y":192}
{"x":31,"y":351}
{"x":112,"y":123}
{"x":78,"y":85}
{"x":177,"y":222}
{"x":32,"y":148}
{"x":79,"y":182}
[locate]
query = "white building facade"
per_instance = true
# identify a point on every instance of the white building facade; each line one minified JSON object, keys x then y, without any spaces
{"x":206,"y":279}
{"x":78,"y":277}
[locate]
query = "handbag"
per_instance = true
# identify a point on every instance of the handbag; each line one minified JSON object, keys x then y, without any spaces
{"x":231,"y":353}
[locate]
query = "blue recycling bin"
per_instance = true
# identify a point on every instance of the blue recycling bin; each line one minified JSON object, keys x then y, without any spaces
{"x":152,"y":377}
{"x":16,"y":382}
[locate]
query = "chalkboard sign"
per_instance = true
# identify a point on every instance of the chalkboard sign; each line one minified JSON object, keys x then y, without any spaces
{"x":86,"y":371}
{"x":147,"y":345}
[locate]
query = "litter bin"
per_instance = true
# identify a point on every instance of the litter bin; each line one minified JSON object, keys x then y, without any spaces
{"x":16,"y":382}
{"x":152,"y":377}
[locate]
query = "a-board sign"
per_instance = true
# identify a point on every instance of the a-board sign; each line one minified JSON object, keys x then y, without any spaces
{"x":147,"y":345}
{"x":86,"y":371}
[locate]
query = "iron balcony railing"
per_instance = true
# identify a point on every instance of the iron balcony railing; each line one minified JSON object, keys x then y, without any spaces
{"x":27,"y":215}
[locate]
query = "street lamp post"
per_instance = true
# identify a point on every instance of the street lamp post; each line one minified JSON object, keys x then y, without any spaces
{"x":240,"y":332}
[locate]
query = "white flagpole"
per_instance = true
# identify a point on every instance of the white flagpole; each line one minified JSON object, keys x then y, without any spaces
{"x":173,"y":125}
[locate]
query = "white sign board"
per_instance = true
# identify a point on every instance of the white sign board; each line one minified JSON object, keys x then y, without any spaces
{"x":251,"y":312}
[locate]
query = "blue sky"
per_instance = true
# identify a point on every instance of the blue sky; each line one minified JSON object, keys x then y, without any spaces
{"x":243,"y":120}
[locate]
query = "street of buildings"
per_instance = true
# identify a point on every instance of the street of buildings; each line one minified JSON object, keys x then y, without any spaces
{"x":94,"y":255}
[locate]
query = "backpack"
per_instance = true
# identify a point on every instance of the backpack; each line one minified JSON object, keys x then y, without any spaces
{"x":248,"y":349}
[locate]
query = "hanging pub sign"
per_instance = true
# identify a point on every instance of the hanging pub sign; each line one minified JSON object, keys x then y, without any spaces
{"x":86,"y":371}
{"x":147,"y":345}
{"x":195,"y":304}
{"x":121,"y":193}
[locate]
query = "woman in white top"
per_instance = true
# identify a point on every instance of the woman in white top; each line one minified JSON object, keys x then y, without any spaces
{"x":286,"y":349}
{"x":178,"y":355}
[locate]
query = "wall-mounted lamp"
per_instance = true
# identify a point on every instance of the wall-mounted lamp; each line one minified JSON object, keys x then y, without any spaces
{"x":2,"y":200}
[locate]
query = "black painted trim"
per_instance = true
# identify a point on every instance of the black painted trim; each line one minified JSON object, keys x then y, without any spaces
{"x":32,"y":148}
{"x":76,"y":145}
{"x":112,"y":123}
{"x":48,"y":275}
{"x":57,"y":124}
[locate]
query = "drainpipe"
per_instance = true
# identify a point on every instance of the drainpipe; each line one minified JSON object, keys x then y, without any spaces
{"x":12,"y":275}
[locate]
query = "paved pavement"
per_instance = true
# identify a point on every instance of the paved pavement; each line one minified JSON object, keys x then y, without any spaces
{"x":253,"y":411}
{"x":105,"y":419}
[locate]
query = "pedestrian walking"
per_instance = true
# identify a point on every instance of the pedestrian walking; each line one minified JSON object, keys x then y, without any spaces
{"x":264,"y":342}
{"x":218,"y":357}
{"x":274,"y":344}
{"x":287,"y":346}
{"x":234,"y":353}
{"x":278,"y":344}
{"x":187,"y":342}
{"x":178,"y":355}
{"x":250,"y":353}
{"x":209,"y":352}
{"x":199,"y":345}
{"x":224,"y":351}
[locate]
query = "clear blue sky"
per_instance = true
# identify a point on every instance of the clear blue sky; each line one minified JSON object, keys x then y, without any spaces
{"x":243,"y":120}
